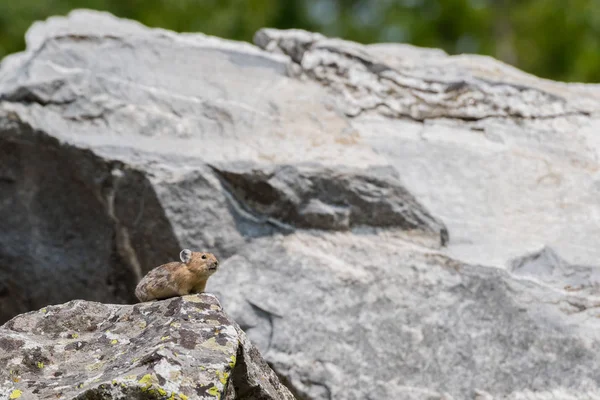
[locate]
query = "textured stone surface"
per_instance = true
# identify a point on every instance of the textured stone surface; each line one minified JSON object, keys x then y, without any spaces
{"x":180,"y":348}
{"x":392,"y":222}
{"x":329,"y":199}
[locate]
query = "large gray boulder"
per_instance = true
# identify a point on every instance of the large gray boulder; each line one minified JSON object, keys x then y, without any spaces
{"x":392,"y":222}
{"x":182,"y":348}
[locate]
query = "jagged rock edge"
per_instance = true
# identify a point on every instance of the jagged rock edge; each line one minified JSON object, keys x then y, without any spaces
{"x":262,"y":40}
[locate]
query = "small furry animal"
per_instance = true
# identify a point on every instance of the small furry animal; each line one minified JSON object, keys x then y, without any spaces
{"x":178,"y":278}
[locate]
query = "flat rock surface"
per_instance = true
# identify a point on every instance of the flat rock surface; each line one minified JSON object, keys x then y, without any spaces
{"x":392,"y":222}
{"x":181,"y":348}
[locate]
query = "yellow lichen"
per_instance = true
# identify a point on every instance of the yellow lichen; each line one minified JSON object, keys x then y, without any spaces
{"x":40,"y":364}
{"x":147,"y":379}
{"x":183,"y":396}
{"x":14,"y":375}
{"x":44,"y":310}
{"x":213,"y":391}
{"x":114,"y":341}
{"x":15,"y":394}
{"x":74,"y":335}
{"x":150,"y":385}
{"x":223,"y":377}
{"x":193,"y":299}
{"x":213,"y":345}
{"x":165,"y":337}
{"x":232,"y":362}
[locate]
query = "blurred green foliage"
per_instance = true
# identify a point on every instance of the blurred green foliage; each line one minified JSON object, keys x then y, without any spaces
{"x":556,"y":39}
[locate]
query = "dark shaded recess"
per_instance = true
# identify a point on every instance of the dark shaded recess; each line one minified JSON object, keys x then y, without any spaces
{"x":58,"y":239}
{"x":297,"y":393}
{"x":103,"y":392}
{"x":315,"y":197}
{"x":245,"y":384}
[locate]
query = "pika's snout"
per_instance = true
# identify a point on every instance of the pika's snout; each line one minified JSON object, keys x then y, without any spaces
{"x":214,"y":265}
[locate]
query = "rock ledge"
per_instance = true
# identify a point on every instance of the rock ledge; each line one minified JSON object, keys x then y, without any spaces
{"x":181,"y":348}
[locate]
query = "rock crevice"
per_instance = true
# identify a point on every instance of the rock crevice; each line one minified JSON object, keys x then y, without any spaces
{"x":313,"y":197}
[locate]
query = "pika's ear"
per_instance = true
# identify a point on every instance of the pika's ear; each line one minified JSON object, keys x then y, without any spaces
{"x":185,"y":256}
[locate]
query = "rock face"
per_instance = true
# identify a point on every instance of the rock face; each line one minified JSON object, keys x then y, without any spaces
{"x":329,"y":199}
{"x":180,"y":348}
{"x":73,"y":223}
{"x":392,"y":222}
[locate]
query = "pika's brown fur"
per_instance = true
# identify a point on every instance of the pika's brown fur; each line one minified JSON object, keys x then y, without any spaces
{"x":178,"y":278}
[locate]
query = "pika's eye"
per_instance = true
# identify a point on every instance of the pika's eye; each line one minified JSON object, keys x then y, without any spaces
{"x":204,"y":256}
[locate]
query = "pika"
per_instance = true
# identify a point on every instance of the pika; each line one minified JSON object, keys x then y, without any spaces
{"x":178,"y":278}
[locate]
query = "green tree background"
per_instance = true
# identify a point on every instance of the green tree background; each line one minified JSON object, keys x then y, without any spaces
{"x":556,"y":39}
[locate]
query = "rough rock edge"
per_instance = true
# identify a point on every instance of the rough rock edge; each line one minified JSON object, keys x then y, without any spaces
{"x":246,"y":382}
{"x":368,"y":83}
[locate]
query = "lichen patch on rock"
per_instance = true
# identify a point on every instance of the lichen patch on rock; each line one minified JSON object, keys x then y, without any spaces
{"x":162,"y":350}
